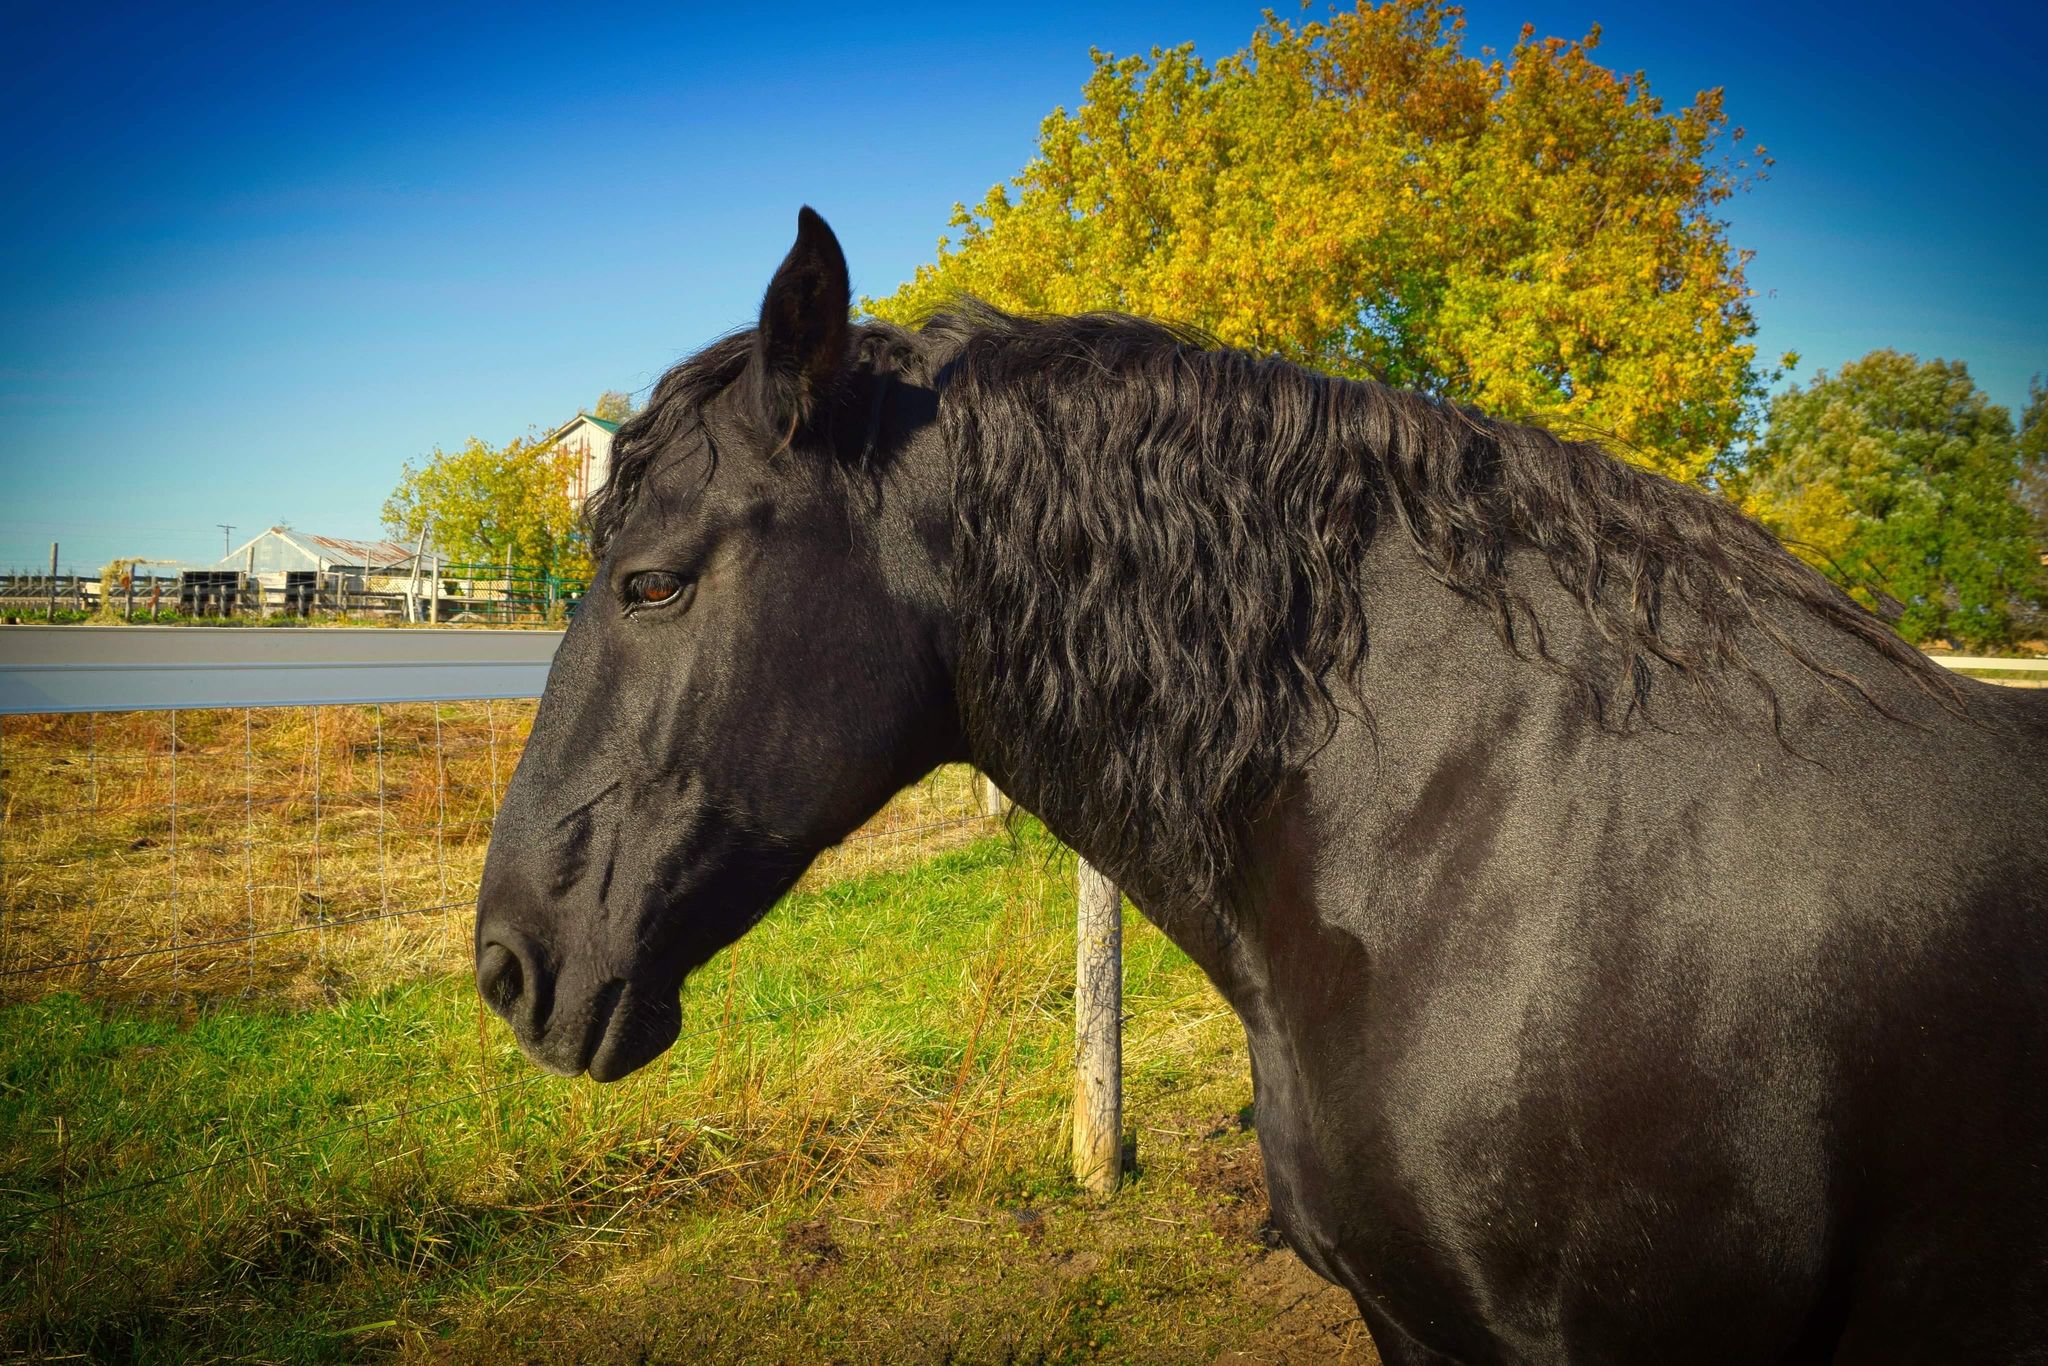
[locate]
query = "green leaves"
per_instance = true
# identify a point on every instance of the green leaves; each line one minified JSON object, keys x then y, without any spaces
{"x":1534,"y":235}
{"x":2033,"y":448}
{"x":1901,"y":480}
{"x":487,"y":501}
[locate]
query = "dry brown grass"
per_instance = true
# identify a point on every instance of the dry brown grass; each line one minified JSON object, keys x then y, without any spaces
{"x":288,"y":853}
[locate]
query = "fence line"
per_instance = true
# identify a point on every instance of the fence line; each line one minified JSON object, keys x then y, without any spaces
{"x":68,"y":670}
{"x":323,"y":924}
{"x":194,"y":945}
{"x":447,"y":593}
{"x":54,"y":920}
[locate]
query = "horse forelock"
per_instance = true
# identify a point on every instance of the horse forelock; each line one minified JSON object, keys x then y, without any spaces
{"x":676,"y":408}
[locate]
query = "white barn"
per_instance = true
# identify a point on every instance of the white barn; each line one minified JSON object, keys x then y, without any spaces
{"x":590,"y":440}
{"x":298,"y":568}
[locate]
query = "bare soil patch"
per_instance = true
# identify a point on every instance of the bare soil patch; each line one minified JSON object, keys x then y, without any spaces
{"x":1182,"y":1266}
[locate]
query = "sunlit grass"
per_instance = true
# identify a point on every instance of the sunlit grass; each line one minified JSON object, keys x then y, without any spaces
{"x":251,"y":1106}
{"x":883,"y":1048}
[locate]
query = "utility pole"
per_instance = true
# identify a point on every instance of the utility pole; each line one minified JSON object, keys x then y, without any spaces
{"x":226,"y":530}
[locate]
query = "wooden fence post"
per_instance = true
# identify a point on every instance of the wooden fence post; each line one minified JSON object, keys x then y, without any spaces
{"x":412,"y":588}
{"x":1098,"y":1033}
{"x":52,"y":614}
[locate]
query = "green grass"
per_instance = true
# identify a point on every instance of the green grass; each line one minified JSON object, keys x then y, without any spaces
{"x":869,"y":1095}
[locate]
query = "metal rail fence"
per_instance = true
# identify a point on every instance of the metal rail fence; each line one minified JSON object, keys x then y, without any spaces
{"x":501,"y":595}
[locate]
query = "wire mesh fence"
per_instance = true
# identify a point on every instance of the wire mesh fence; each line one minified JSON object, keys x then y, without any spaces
{"x":291,"y":852}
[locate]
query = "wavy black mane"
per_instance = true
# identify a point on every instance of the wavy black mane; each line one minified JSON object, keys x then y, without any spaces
{"x":1158,"y":544}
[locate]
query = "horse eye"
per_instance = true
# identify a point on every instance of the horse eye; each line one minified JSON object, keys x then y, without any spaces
{"x":654,"y":587}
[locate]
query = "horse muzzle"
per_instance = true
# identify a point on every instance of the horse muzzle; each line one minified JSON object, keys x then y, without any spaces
{"x":570,"y":1023}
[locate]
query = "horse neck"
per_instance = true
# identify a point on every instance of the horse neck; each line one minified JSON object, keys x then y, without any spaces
{"x":1436,"y":676}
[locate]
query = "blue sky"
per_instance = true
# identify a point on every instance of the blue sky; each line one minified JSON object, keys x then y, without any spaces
{"x":256,"y":258}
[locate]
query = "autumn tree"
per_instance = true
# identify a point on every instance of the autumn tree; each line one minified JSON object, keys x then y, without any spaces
{"x":613,"y":405}
{"x":1900,"y":479}
{"x":1535,"y":235}
{"x":487,"y":502}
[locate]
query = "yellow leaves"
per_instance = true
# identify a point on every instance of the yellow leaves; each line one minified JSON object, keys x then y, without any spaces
{"x":1359,"y":194}
{"x":1816,"y":520}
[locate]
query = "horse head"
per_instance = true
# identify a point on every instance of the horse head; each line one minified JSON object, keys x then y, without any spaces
{"x":761,"y":661}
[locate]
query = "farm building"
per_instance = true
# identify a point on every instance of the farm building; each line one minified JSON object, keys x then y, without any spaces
{"x":298,"y":570}
{"x":590,"y":439}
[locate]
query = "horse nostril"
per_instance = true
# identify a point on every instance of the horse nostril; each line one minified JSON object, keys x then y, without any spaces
{"x":500,"y":977}
{"x":514,"y":978}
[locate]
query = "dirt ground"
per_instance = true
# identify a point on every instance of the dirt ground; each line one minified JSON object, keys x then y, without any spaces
{"x":1301,"y":1316}
{"x":1312,"y":1319}
{"x":1182,"y":1267}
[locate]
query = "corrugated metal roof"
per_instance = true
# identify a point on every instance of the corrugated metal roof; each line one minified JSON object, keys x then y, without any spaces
{"x":281,"y":548}
{"x":372,"y":553}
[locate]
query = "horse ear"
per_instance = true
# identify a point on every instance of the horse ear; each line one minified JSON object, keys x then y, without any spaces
{"x":800,"y":348}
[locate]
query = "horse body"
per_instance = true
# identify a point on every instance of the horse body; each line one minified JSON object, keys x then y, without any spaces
{"x":1577,"y":1046}
{"x":1702,"y":1018}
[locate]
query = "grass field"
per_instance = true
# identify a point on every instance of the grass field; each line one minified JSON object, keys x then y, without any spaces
{"x":314,"y":1144}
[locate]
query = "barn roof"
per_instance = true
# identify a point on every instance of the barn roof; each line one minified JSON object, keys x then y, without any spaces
{"x":601,"y":423}
{"x":373,"y":553}
{"x":339,"y":551}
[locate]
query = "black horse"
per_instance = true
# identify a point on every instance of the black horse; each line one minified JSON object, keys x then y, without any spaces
{"x":1644,"y":955}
